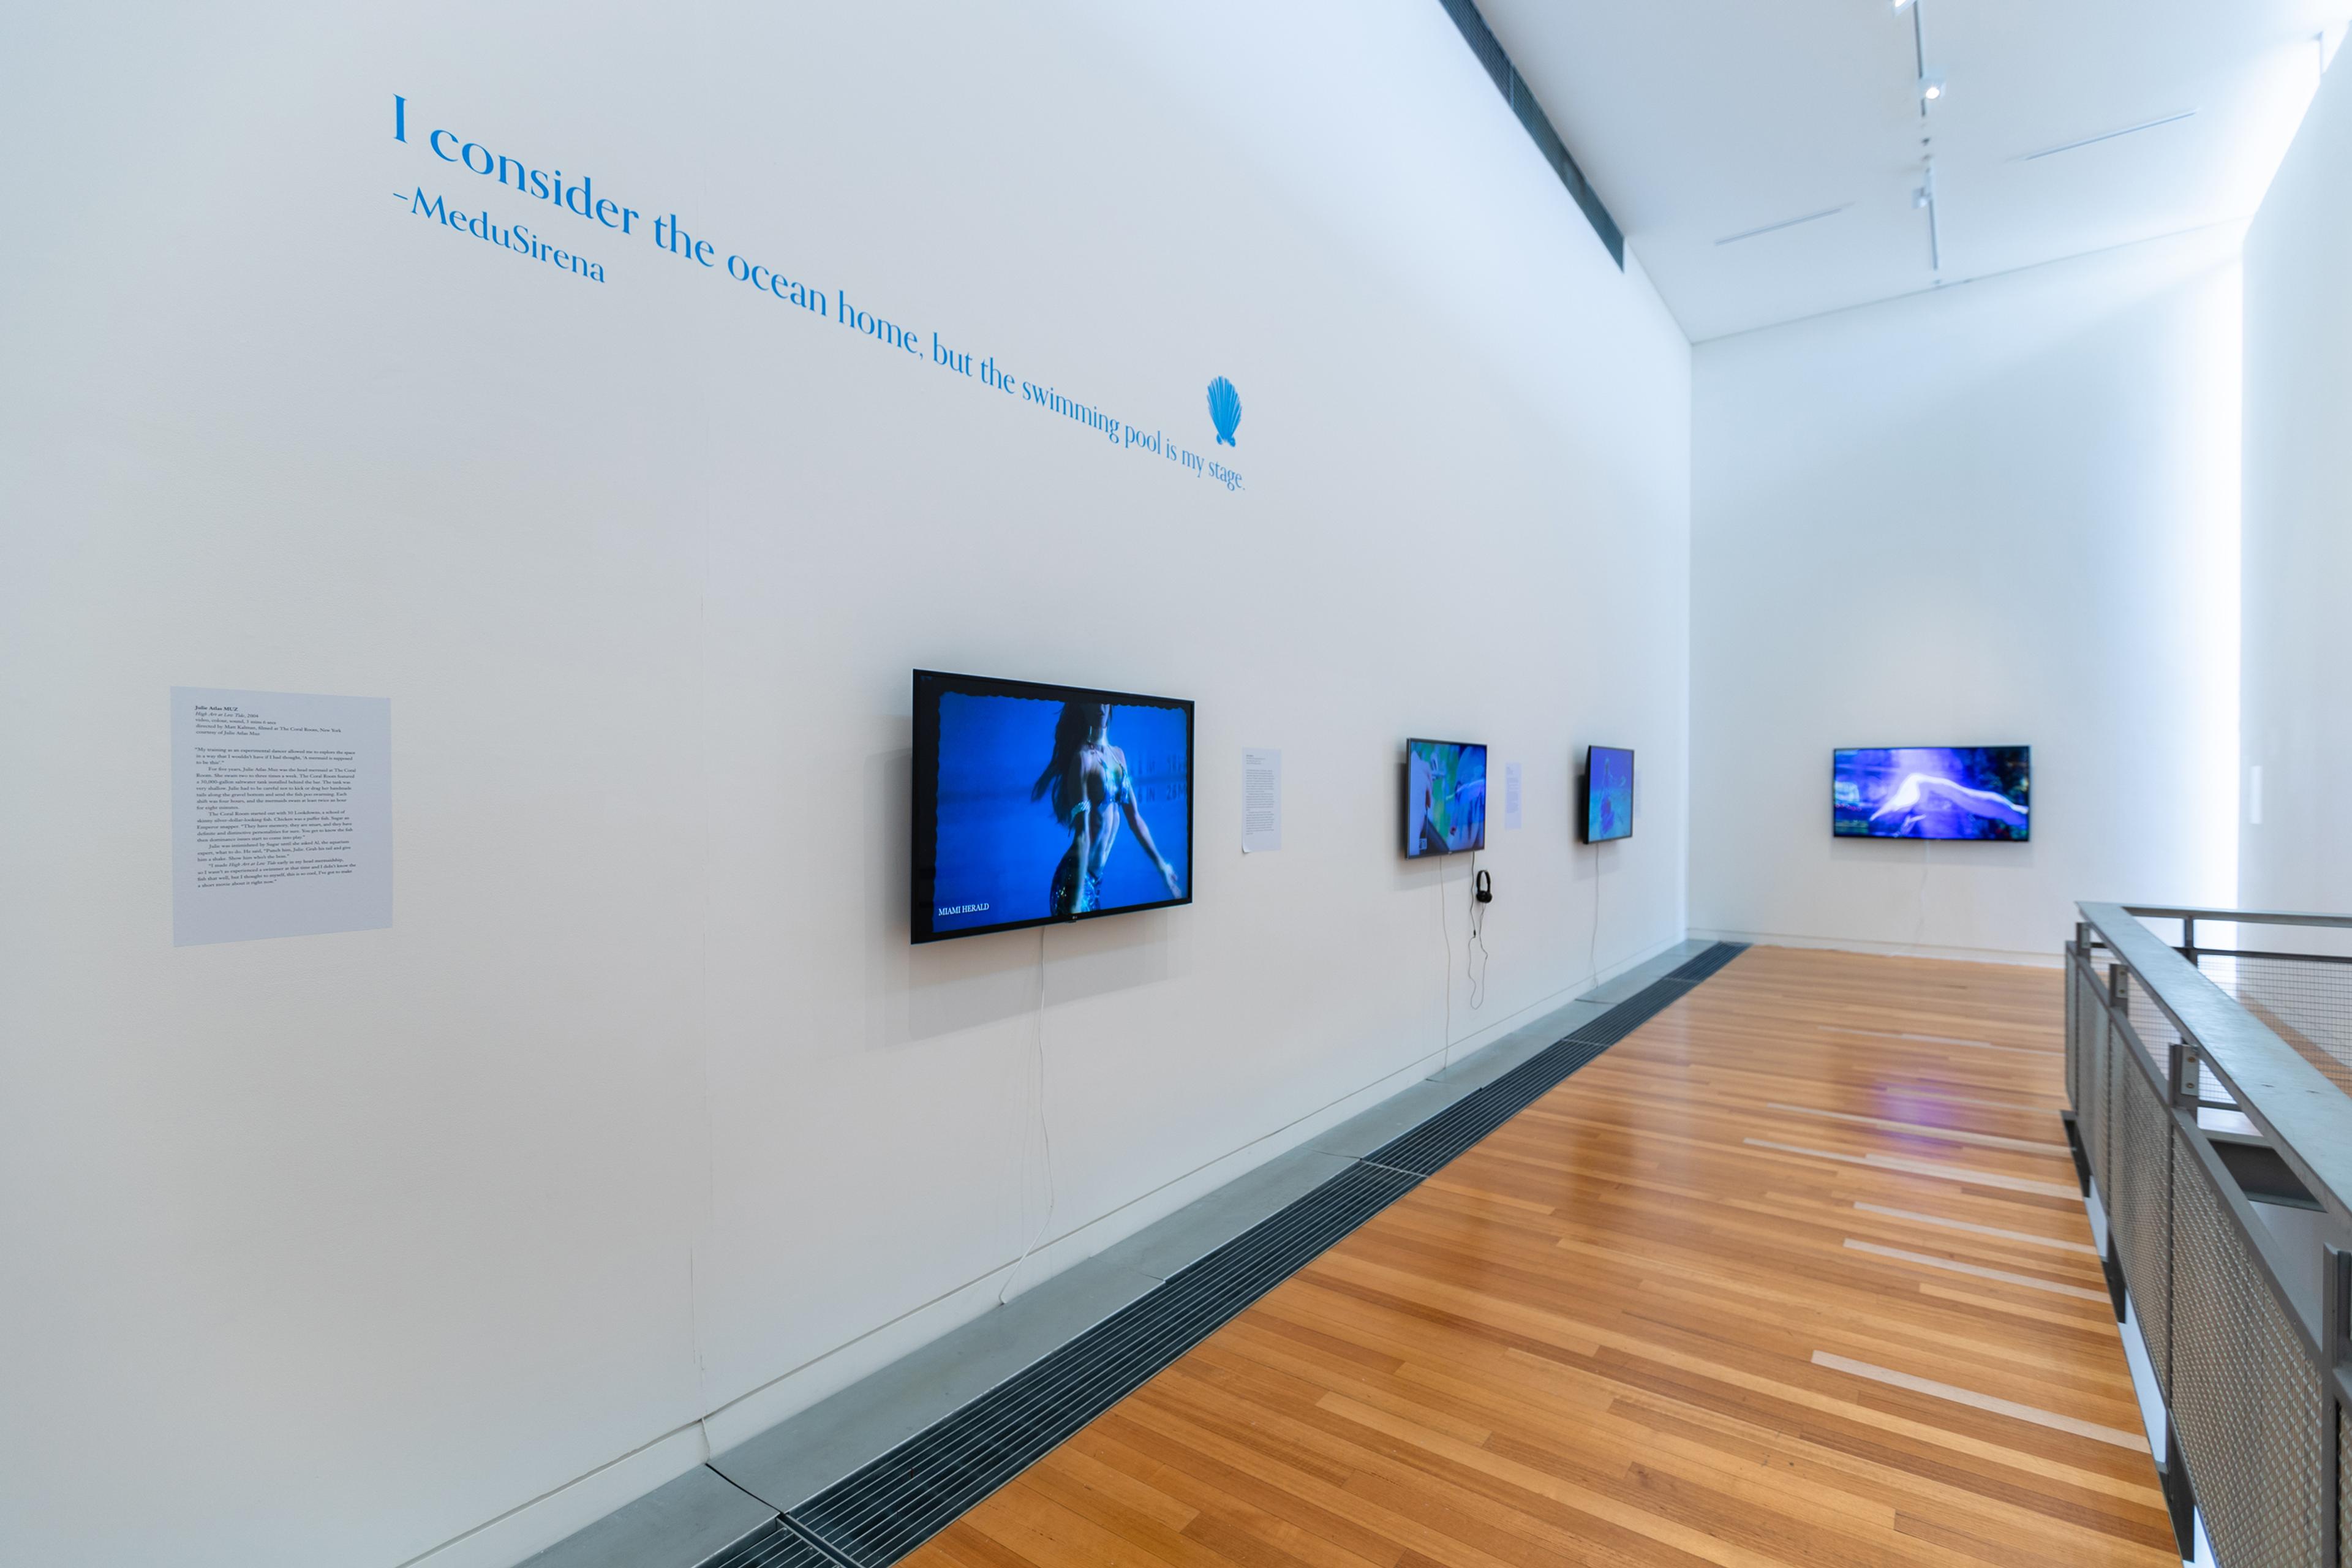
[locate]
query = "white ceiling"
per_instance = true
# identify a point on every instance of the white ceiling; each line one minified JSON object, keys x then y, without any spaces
{"x":1698,"y":120}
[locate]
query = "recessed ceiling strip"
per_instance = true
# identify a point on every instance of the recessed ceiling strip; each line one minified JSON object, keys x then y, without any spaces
{"x":2105,"y":136}
{"x":1784,"y":223}
{"x":1538,"y":125}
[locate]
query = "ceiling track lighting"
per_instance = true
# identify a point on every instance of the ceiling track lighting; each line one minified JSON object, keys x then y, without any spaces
{"x":1930,"y":83}
{"x":1930,"y":86}
{"x":1923,"y":198}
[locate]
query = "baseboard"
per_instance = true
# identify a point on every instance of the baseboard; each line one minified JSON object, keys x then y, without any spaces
{"x":1610,"y":971}
{"x":878,"y":1509}
{"x":792,"y":1392}
{"x":534,"y":1526}
{"x":1883,"y":949}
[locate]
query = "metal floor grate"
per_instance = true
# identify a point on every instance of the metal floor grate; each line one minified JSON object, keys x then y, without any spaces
{"x":901,"y":1500}
{"x":1632,"y":1013}
{"x":774,"y":1547}
{"x":1429,"y":1147}
{"x":891,"y":1506}
{"x":1707,"y":963}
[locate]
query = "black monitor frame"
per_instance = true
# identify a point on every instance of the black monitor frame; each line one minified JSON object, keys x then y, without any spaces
{"x":1584,"y":797}
{"x":1404,"y":800}
{"x":1837,"y":751}
{"x":923,"y":821}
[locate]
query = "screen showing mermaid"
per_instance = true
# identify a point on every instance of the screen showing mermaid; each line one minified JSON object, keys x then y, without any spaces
{"x":1036,"y":804}
{"x":1932,"y":791}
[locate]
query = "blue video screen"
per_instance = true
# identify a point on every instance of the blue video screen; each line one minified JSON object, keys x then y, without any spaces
{"x":1608,"y":793}
{"x":1036,"y":804}
{"x":1932,"y":791}
{"x":1444,"y":797}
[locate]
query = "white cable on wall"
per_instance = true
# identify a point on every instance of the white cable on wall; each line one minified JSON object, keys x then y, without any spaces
{"x":1593,"y":952}
{"x":1475,"y":976}
{"x":1919,"y":929}
{"x":1446,"y":928}
{"x":1045,"y":1131}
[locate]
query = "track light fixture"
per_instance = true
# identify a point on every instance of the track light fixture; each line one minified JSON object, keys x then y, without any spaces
{"x":1931,"y":91}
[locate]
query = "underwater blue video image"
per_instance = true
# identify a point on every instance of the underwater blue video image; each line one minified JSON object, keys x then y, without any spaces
{"x":1051,"y":809}
{"x":1444,"y":797}
{"x":1932,"y":791}
{"x":1608,"y":793}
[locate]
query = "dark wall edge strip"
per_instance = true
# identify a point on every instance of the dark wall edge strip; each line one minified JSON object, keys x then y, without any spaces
{"x":1538,"y":124}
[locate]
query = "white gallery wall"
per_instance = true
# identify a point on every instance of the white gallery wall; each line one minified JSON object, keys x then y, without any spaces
{"x":2000,"y":513}
{"x":2298,"y":524}
{"x":642,"y":1125}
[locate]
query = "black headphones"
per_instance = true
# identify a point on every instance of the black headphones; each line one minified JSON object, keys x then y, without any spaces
{"x":1486,"y":886}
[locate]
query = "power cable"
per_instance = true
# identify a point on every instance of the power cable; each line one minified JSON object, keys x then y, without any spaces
{"x":1592,"y":952}
{"x":1044,"y":1132}
{"x":1477,"y":977}
{"x":1446,"y":928}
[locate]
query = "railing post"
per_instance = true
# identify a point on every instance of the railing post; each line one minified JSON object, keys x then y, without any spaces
{"x":2188,"y":938}
{"x":2179,"y":1496}
{"x":2335,"y":1389}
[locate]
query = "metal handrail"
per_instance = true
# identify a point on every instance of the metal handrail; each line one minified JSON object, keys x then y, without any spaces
{"x":2243,"y":917}
{"x":2301,"y":1114}
{"x":2251,"y":1319}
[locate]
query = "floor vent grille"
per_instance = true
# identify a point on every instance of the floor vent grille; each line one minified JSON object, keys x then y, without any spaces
{"x":900,"y":1501}
{"x":1707,"y":963}
{"x":884,"y":1511}
{"x":1632,"y":1012}
{"x":774,"y":1547}
{"x":1429,"y":1147}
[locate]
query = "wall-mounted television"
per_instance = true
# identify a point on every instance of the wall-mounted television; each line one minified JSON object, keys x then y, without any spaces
{"x":1040,"y":804}
{"x":1608,"y":793}
{"x":1444,"y":797}
{"x":1932,"y":791}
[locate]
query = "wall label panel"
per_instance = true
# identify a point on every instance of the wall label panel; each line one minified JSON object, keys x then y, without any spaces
{"x":1261,"y":800}
{"x":282,"y":814}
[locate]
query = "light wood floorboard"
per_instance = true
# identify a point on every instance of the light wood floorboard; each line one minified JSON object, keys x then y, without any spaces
{"x":1632,"y":1328}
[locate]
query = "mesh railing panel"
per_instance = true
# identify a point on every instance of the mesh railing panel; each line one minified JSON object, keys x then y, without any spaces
{"x":2141,"y":1209}
{"x":2120,"y":1068}
{"x":2080,"y":1018}
{"x":2245,"y":1398}
{"x":2081,"y":1008}
{"x":2306,"y":1002}
{"x":2092,"y":1109}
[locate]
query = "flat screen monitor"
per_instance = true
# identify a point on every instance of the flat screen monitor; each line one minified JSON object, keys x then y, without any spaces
{"x":1040,"y":804}
{"x":1444,"y":797}
{"x":1608,"y":793}
{"x":1932,"y":791}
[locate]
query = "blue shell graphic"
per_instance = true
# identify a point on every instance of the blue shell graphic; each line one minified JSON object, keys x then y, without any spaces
{"x":1224,"y":410}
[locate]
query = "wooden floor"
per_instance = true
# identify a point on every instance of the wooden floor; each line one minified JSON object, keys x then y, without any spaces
{"x":1795,"y":1275}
